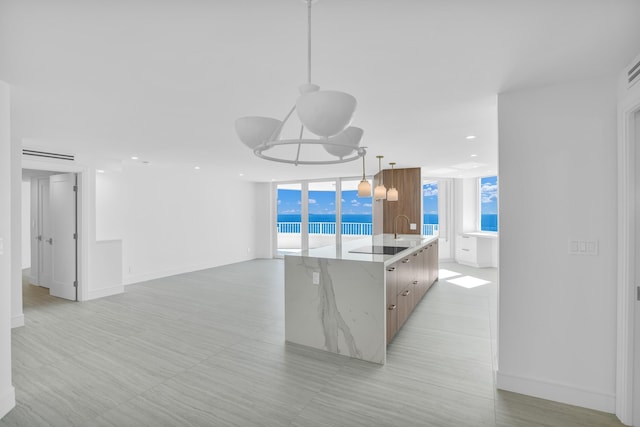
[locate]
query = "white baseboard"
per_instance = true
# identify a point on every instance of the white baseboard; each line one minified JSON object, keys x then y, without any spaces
{"x":557,"y":392}
{"x":7,"y":401}
{"x":137,"y":278}
{"x":104,"y":292}
{"x":17,"y":321}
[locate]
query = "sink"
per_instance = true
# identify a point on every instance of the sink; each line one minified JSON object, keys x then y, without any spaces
{"x":381,"y":250}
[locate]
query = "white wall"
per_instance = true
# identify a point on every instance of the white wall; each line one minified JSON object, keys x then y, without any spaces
{"x":110,"y":209}
{"x":175,"y":220}
{"x":557,"y":162}
{"x":7,"y":392}
{"x":26,"y":222}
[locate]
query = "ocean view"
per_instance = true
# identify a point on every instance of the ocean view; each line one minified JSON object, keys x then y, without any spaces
{"x":489,"y":222}
{"x":428,"y":218}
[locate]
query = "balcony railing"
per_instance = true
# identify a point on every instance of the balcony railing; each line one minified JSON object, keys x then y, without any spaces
{"x":347,"y":228}
{"x":430,"y":229}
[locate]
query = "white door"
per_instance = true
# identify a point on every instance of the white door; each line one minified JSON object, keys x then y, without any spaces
{"x":45,"y":249}
{"x":62,"y":208}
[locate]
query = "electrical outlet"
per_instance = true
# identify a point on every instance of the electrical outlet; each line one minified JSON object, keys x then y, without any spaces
{"x":413,"y":226}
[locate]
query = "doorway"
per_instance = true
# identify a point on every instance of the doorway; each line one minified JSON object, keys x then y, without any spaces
{"x":636,"y":245}
{"x":53,"y":231}
{"x":628,"y":339}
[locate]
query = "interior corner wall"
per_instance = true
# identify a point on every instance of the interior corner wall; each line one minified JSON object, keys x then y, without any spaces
{"x":17,"y":315}
{"x":7,"y":392}
{"x":178,"y":220}
{"x":465,"y":205}
{"x":557,"y":162}
{"x":264,"y":217}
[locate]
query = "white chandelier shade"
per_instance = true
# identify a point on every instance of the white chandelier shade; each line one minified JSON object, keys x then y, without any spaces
{"x":326,"y":113}
{"x":254,"y":130}
{"x":344,"y":143}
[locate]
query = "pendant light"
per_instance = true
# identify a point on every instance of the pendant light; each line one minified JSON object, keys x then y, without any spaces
{"x":392,"y":194}
{"x":364,"y":188}
{"x":380,"y":193}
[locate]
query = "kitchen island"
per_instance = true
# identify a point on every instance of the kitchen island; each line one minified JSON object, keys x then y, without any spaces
{"x":352,"y":298}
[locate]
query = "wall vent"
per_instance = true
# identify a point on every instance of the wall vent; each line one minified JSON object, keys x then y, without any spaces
{"x":48,"y":155}
{"x":633,"y":74}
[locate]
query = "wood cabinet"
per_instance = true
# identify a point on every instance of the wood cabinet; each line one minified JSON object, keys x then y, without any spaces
{"x":408,"y":182}
{"x":391,"y":283}
{"x":407,"y":281}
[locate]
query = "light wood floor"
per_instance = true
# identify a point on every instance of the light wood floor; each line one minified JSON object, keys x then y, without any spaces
{"x":207,"y":349}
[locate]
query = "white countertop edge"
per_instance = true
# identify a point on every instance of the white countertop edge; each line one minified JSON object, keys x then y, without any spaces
{"x":341,"y":252}
{"x":486,"y":234}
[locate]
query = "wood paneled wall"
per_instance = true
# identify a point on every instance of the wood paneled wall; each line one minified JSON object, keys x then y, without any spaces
{"x":408,"y":182}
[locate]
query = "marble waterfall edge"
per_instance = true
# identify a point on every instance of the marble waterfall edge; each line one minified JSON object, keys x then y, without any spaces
{"x":344,"y":313}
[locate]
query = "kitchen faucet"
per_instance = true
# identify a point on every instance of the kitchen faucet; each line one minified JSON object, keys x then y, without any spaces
{"x":395,"y":224}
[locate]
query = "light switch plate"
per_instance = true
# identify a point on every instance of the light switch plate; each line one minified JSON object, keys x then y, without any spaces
{"x":583,"y":247}
{"x":316,"y":278}
{"x":413,"y":226}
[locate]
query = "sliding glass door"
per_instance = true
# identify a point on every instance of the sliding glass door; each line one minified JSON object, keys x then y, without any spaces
{"x":355,"y":212}
{"x":289,"y":218}
{"x":322,"y":214}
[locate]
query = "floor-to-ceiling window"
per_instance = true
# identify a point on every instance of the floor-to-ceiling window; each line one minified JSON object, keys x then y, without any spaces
{"x":322,"y":213}
{"x":356,"y":212}
{"x":489,"y":203}
{"x":289,"y":218}
{"x":312,"y":214}
{"x":430,"y":220}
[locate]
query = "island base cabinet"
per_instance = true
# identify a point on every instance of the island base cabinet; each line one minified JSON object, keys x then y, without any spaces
{"x":392,"y":301}
{"x":407,"y":281}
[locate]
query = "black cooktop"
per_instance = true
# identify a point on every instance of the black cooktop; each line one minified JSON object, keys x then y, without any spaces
{"x":380,"y":250}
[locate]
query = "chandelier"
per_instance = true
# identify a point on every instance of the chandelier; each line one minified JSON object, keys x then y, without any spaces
{"x":326,"y":114}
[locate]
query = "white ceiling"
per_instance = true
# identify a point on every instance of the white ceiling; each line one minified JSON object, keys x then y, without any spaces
{"x":165,"y":79}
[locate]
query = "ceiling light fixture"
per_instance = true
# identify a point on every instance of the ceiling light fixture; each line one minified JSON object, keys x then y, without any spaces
{"x":380,"y":193}
{"x":392,"y":194}
{"x":324,"y":113}
{"x":471,"y":137}
{"x":364,"y":188}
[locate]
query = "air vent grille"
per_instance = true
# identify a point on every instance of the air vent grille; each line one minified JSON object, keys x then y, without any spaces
{"x":633,"y":75}
{"x":35,"y":153}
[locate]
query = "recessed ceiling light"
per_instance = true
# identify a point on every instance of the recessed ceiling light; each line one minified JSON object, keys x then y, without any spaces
{"x":241,"y":174}
{"x":474,"y":155}
{"x":134,"y":157}
{"x":99,"y":170}
{"x":197,"y":168}
{"x":471,"y":137}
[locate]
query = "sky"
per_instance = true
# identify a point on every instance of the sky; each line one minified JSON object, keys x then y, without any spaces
{"x":489,"y":195}
{"x":323,"y":202}
{"x":430,"y":198}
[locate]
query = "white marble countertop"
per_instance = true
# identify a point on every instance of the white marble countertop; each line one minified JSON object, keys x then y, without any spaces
{"x":342,"y":252}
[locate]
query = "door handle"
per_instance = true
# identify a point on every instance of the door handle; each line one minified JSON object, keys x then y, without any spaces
{"x":39,"y":238}
{"x":50,"y":240}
